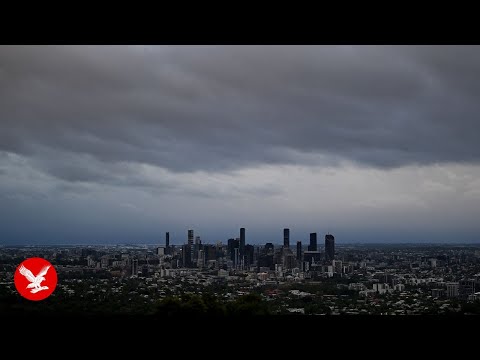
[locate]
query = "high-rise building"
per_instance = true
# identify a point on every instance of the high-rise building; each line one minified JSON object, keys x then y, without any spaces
{"x":196,"y":248}
{"x":313,"y":242}
{"x":232,"y":245}
{"x":236,"y":258}
{"x":249,"y":255}
{"x":167,"y":243}
{"x":190,"y":244}
{"x":230,"y":248}
{"x":265,"y":260}
{"x":289,"y":261}
{"x":242,"y":241}
{"x":329,"y":247}
{"x":190,"y":237}
{"x":210,"y":252}
{"x":265,"y":257}
{"x":186,"y":255}
{"x":299,"y":251}
{"x":286,"y":238}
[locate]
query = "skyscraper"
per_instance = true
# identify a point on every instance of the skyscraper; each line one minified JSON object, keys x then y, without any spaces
{"x":232,"y":245}
{"x":190,"y":244}
{"x":186,"y":256}
{"x":167,"y":243}
{"x":313,"y":242}
{"x":299,"y":251}
{"x":196,"y":248}
{"x":286,"y":238}
{"x":242,"y":241}
{"x":190,"y":237}
{"x":329,"y":247}
{"x":236,"y":259}
{"x":249,"y":255}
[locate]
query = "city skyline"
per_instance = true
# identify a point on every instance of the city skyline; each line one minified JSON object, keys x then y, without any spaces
{"x":119,"y":144}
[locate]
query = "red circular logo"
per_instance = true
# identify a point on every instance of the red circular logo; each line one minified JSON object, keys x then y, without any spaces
{"x":35,"y":279}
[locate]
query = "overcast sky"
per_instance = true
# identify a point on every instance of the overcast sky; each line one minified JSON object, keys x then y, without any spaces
{"x":107,"y":144}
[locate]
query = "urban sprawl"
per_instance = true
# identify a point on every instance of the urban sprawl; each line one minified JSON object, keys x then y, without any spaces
{"x":285,"y":278}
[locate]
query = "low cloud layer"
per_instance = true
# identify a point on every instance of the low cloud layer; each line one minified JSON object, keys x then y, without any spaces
{"x":214,"y":108}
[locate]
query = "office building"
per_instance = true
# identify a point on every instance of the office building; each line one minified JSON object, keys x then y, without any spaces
{"x":167,"y":243}
{"x":236,"y":259}
{"x":249,"y":255}
{"x":196,"y":248}
{"x":210,"y":252}
{"x":190,"y":238}
{"x":299,"y":251}
{"x":289,"y":261}
{"x":329,"y":247}
{"x":190,"y":245}
{"x":187,"y":255}
{"x":232,"y":245}
{"x":313,"y":242}
{"x":286,"y":238}
{"x":311,"y":256}
{"x":242,"y":241}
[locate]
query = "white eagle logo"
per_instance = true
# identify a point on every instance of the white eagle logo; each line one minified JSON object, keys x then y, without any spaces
{"x":35,"y":281}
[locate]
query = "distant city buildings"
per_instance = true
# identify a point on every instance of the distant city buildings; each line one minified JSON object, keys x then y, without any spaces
{"x":374,"y":272}
{"x":373,"y":279}
{"x":241,"y":256}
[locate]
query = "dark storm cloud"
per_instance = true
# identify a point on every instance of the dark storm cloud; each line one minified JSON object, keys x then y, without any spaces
{"x":222,"y":108}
